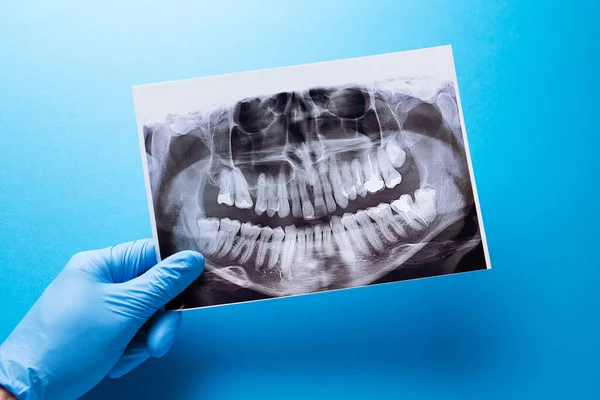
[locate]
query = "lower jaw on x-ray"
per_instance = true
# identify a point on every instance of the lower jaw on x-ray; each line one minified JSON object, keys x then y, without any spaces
{"x":320,"y":189}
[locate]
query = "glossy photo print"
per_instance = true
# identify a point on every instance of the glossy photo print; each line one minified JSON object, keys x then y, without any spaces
{"x":312,"y":178}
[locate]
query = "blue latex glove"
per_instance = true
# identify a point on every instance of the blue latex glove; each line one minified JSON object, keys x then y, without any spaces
{"x":101,"y":315}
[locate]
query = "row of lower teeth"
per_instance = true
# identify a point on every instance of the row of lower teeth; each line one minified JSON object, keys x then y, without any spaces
{"x":333,"y":184}
{"x":361,"y":233}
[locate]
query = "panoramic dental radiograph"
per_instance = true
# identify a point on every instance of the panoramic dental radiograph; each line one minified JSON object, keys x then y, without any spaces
{"x":321,"y":188}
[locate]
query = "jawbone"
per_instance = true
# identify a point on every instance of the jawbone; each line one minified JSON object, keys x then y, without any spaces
{"x":357,"y":252}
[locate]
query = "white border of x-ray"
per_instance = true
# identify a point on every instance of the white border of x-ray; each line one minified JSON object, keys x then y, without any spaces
{"x":153,"y":102}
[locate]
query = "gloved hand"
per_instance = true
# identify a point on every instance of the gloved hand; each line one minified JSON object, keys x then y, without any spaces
{"x":101,"y":315}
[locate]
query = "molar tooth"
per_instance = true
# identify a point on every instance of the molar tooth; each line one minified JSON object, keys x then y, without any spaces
{"x":207,"y":233}
{"x":348,"y":189}
{"x":383,"y":217}
{"x":272,"y":201}
{"x":327,"y":191}
{"x":337,"y":185}
{"x":341,"y":240}
{"x":182,"y":124}
{"x":245,"y":243}
{"x":353,"y":229}
{"x":242,"y":194}
{"x":276,"y":245}
{"x":357,"y":174}
{"x":263,"y":245}
{"x":288,"y":251}
{"x":395,"y":154}
{"x":373,"y":182}
{"x":261,"y":195}
{"x":282,"y":194}
{"x":295,"y":197}
{"x":449,"y":109}
{"x":391,"y":177}
{"x":226,"y":188}
{"x":227,"y":233}
{"x":368,"y":229}
{"x":403,"y":206}
{"x":375,"y":214}
{"x":425,"y":204}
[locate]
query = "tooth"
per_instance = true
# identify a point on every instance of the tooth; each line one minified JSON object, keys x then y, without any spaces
{"x":341,"y":240}
{"x":183,"y":124}
{"x":300,"y":245}
{"x":395,"y":154}
{"x":373,"y":182}
{"x":263,"y":245}
{"x":391,"y":177}
{"x":368,"y":228}
{"x":226,"y":189}
{"x":261,"y":195}
{"x":242,"y":194}
{"x":308,"y":237}
{"x":425,"y":203}
{"x":329,"y":199}
{"x":318,"y":239}
{"x":448,"y":107}
{"x":308,"y":212}
{"x":357,"y":174}
{"x":327,"y":192}
{"x":327,"y":243}
{"x":227,"y":233}
{"x":282,"y":194}
{"x":353,"y":229}
{"x":245,"y":243}
{"x":385,"y":220}
{"x":288,"y":251}
{"x":338,"y":185}
{"x":403,"y":206}
{"x":207,"y":233}
{"x":276,"y":244}
{"x":273,"y":203}
{"x":320,"y":208}
{"x":348,"y":189}
{"x":295,"y":198}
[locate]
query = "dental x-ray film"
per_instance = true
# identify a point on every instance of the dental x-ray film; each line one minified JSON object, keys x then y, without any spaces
{"x":312,"y":178}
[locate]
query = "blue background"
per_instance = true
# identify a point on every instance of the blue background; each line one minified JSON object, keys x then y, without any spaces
{"x":71,"y":179}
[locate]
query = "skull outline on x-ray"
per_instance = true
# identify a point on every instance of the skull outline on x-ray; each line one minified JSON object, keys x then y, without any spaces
{"x":324,"y":188}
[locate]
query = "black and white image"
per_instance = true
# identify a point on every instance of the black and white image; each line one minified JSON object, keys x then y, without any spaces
{"x":312,"y":178}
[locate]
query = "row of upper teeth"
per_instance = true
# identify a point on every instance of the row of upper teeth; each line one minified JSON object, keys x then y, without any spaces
{"x":364,"y":232}
{"x":332,"y":185}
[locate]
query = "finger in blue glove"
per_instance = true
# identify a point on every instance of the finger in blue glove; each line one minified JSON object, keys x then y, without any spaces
{"x":102,"y":315}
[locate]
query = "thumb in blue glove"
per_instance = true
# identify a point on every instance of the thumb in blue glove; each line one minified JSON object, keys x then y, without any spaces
{"x":100,"y":316}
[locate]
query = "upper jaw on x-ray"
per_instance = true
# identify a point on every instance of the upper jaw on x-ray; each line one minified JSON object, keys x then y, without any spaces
{"x":324,"y":188}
